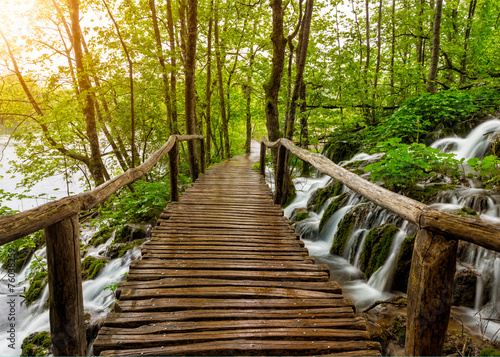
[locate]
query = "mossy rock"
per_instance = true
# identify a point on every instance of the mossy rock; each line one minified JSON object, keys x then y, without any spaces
{"x":101,"y":237}
{"x":346,"y":227}
{"x":23,"y":256}
{"x":489,"y":352}
{"x":425,"y":194}
{"x":376,"y":248}
{"x":37,"y":284}
{"x":299,"y":214}
{"x":332,"y":208}
{"x":403,"y":265}
{"x":467,"y":212}
{"x":91,"y":266}
{"x":123,"y":234}
{"x":37,"y":344}
{"x":119,"y":250}
{"x":149,"y":216}
{"x":340,"y":150}
{"x":464,"y":289}
{"x":398,"y":328}
{"x":321,"y":195}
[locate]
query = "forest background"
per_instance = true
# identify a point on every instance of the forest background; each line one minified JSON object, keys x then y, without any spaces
{"x":96,"y":86}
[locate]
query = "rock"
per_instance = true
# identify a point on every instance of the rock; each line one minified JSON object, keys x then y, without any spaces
{"x":299,"y":214}
{"x":403,"y":265}
{"x":376,"y":248}
{"x":464,"y":289}
{"x":321,"y":195}
{"x":37,"y":344}
{"x":332,"y":208}
{"x":37,"y":284}
{"x":119,"y":250}
{"x":101,"y":237}
{"x":91,"y":266}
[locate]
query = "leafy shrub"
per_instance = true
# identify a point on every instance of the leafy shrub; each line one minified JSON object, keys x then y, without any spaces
{"x":404,"y":165}
{"x":418,"y":116}
{"x":488,"y":170}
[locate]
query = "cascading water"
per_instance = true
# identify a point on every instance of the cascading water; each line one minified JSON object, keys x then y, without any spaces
{"x":346,"y":270}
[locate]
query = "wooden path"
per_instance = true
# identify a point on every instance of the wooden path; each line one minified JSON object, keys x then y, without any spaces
{"x":225,"y":274}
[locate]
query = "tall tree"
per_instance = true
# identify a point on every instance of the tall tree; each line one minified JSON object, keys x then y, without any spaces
{"x":436,"y":35}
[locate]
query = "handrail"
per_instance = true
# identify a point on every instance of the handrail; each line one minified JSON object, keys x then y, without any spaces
{"x":424,"y":217}
{"x":433,"y":264}
{"x":21,"y":224}
{"x":60,"y":221}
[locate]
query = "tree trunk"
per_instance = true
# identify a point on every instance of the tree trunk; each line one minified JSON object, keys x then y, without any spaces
{"x":96,"y":165}
{"x":225,"y":129}
{"x":190,"y":90}
{"x":436,"y":32}
{"x":209,"y":91}
{"x":272,"y":86}
{"x":161,"y":60}
{"x":304,"y":131}
{"x":173,"y":73}
{"x":463,"y":62}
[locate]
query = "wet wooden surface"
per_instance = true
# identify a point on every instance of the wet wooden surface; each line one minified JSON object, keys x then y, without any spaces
{"x":225,"y":274}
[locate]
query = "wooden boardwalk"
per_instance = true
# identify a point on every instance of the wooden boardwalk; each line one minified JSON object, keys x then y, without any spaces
{"x":225,"y":274}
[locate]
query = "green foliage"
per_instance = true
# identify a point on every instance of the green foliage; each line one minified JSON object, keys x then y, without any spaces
{"x":145,"y":204}
{"x":416,"y":117}
{"x":402,"y":165}
{"x":489,"y":352}
{"x":37,"y":344}
{"x":488,"y":170}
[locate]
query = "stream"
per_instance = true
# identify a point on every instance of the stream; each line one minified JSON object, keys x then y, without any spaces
{"x":484,"y":317}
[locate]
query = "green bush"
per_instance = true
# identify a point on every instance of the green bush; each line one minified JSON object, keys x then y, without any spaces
{"x":402,"y":165}
{"x":416,"y":117}
{"x":488,"y":170}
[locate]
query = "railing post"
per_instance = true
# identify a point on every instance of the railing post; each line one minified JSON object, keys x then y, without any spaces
{"x":67,"y":324}
{"x":173,"y":164}
{"x":262,"y":166}
{"x":280,"y":175}
{"x":430,"y":292}
{"x":202,"y":155}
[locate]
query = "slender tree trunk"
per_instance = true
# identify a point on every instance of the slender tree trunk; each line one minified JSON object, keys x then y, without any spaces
{"x":225,"y":129}
{"x":436,"y":32}
{"x":468,"y":28}
{"x":131,"y":83}
{"x":209,"y":91}
{"x":300,"y":65}
{"x":272,"y":86}
{"x":377,"y":65}
{"x":161,"y":60}
{"x":173,"y":71}
{"x":393,"y":46}
{"x":190,"y":90}
{"x":96,"y":165}
{"x":304,"y":131}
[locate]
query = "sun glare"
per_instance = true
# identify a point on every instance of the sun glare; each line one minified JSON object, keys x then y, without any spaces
{"x":15,"y":16}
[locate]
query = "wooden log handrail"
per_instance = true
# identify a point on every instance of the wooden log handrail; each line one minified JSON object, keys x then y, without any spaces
{"x":433,"y":264}
{"x":471,"y":230}
{"x":21,"y":224}
{"x":60,"y":221}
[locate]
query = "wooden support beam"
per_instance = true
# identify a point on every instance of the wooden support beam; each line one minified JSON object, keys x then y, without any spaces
{"x":173,"y":164}
{"x":202,"y":156}
{"x":262,"y":167}
{"x":67,"y":324}
{"x":279,"y":194}
{"x":430,"y":292}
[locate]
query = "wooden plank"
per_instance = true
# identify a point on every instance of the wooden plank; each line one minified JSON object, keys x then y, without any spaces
{"x":241,"y":347}
{"x":127,"y":341}
{"x":346,"y":324}
{"x":135,"y":319}
{"x":210,"y":257}
{"x":184,"y":235}
{"x":230,"y":292}
{"x":181,"y":248}
{"x":173,"y":304}
{"x":331,"y":286}
{"x":215,"y":241}
{"x":152,"y":274}
{"x":228,"y":265}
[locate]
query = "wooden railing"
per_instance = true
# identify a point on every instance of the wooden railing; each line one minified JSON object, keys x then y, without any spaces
{"x":60,"y":221}
{"x":430,"y":285}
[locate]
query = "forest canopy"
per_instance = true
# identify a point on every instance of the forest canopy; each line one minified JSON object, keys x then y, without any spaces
{"x":98,"y":85}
